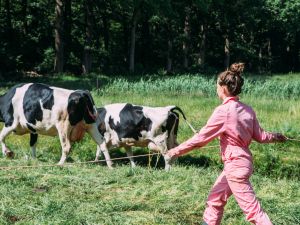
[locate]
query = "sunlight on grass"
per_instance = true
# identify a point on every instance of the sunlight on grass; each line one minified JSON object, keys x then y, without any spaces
{"x":93,"y":194}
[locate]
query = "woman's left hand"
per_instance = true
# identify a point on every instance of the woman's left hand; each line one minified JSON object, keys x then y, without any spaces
{"x":280,"y":137}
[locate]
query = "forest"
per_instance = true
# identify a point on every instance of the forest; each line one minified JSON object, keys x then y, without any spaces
{"x":147,"y":36}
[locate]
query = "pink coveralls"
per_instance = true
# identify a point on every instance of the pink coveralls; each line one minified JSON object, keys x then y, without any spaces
{"x":236,"y":125}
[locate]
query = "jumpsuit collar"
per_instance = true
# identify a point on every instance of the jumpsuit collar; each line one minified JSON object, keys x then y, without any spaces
{"x":227,"y":99}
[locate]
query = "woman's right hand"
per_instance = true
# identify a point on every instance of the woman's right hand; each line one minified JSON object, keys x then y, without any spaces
{"x":169,"y":159}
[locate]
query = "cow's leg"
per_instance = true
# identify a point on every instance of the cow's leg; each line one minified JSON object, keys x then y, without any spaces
{"x":103,"y":148}
{"x":98,"y":153}
{"x":4,"y":132}
{"x":93,"y":131}
{"x":63,"y":133}
{"x":168,"y":162}
{"x":160,"y":145}
{"x":130,"y":154}
{"x":33,"y":141}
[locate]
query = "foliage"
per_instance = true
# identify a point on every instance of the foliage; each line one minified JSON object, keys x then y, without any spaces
{"x":264,"y":34}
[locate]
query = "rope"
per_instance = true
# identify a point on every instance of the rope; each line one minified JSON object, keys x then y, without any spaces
{"x":71,"y":164}
{"x":87,"y":162}
{"x":293,"y":139}
{"x":190,"y":125}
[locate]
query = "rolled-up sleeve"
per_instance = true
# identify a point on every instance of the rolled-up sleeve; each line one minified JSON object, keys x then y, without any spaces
{"x":259,"y":134}
{"x":214,"y":127}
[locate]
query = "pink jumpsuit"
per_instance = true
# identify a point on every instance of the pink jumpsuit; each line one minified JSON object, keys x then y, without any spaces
{"x":236,"y":125}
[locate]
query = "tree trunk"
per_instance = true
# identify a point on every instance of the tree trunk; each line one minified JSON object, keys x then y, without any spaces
{"x":8,"y":15}
{"x":201,"y":58}
{"x":169,"y":56}
{"x":135,"y":17}
{"x":67,"y":30}
{"x":260,"y":60}
{"x":106,"y":58}
{"x":227,"y":52}
{"x":24,"y":15}
{"x":87,"y":54}
{"x":125,"y":40}
{"x":146,"y":44}
{"x":186,"y":41}
{"x":297,"y":52}
{"x":105,"y":32}
{"x":269,"y":49}
{"x":59,"y":45}
{"x":251,"y":43}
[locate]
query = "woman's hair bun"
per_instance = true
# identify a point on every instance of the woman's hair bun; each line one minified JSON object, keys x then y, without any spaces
{"x":237,"y":68}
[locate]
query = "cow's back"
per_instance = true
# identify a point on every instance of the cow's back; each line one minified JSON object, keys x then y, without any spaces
{"x":37,"y":99}
{"x":128,"y":121}
{"x":38,"y":107}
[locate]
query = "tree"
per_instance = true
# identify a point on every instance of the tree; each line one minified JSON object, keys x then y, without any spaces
{"x":186,"y":37}
{"x":67,"y":30}
{"x":133,"y":24}
{"x":147,"y":35}
{"x":59,"y":42}
{"x":87,"y":52}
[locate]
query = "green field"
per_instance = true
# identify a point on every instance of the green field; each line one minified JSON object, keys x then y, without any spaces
{"x":93,"y":194}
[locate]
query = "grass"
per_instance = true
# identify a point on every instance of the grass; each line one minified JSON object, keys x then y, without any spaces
{"x":93,"y":194}
{"x":96,"y":195}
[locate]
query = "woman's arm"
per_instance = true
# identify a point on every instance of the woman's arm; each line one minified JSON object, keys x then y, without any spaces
{"x":214,"y":127}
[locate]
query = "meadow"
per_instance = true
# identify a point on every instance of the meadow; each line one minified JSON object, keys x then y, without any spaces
{"x":93,"y":194}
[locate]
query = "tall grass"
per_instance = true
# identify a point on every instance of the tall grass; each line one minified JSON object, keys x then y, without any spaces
{"x":205,"y":86}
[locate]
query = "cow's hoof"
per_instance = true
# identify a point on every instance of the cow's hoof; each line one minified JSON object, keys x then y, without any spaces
{"x":61,"y":164}
{"x":167,"y":168}
{"x":111,"y":167}
{"x":10,"y":154}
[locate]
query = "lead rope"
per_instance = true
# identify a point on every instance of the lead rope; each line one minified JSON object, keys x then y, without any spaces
{"x":293,"y":139}
{"x":72,"y":164}
{"x":149,"y":159}
{"x":190,"y":125}
{"x":88,"y":162}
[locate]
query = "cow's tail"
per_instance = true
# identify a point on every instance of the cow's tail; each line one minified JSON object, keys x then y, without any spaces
{"x":172,"y":108}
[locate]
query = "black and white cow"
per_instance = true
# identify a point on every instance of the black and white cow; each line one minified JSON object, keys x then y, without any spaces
{"x":40,"y":109}
{"x":126,"y":125}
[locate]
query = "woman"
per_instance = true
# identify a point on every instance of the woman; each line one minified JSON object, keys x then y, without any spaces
{"x":236,"y":125}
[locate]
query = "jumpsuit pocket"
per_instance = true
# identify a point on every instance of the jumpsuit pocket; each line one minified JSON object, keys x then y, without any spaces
{"x":234,"y":152}
{"x":238,"y":164}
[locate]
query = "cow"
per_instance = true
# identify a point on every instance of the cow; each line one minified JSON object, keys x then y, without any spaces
{"x":37,"y":108}
{"x":126,"y":125}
